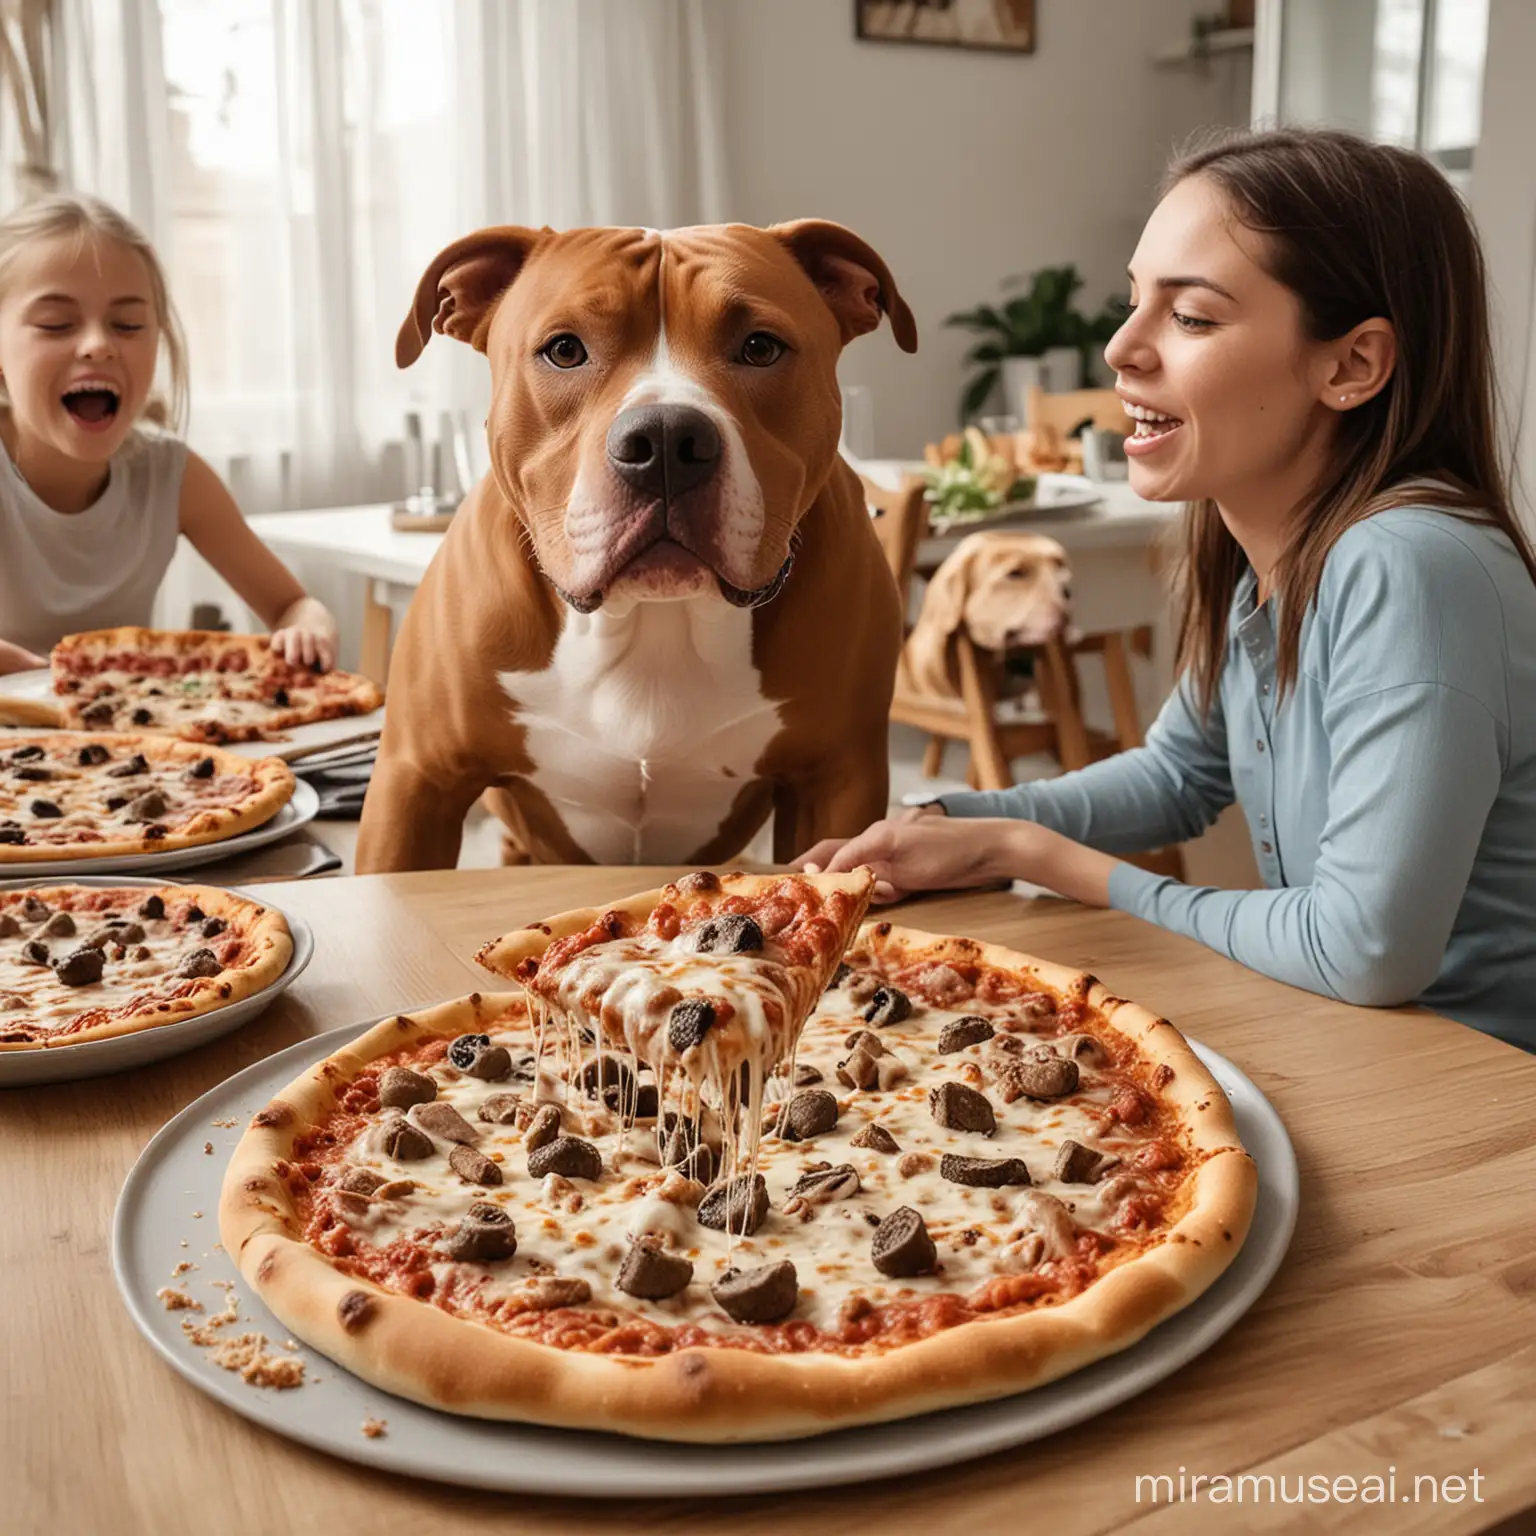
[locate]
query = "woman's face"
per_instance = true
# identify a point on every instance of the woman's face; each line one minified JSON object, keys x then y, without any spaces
{"x":1214,"y":364}
{"x":78,"y":343}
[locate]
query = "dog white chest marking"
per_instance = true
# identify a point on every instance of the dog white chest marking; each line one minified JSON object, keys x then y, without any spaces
{"x":646,"y":726}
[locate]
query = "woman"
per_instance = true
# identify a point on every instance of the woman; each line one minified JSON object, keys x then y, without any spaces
{"x":1307,"y":360}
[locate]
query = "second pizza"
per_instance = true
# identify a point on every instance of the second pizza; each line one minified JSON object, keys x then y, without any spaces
{"x":65,"y":795}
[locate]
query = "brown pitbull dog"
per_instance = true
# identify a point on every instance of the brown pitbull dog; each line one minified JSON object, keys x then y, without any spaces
{"x":663,"y":614}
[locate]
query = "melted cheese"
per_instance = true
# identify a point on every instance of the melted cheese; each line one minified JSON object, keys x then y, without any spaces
{"x":582,"y":1229}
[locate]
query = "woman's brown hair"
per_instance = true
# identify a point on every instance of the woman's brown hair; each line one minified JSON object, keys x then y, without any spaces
{"x":1356,"y":231}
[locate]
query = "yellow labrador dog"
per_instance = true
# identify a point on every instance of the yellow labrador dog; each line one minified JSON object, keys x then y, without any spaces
{"x":1005,"y":590}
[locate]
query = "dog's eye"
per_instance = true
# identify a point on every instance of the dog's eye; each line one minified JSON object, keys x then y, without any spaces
{"x":564,"y":351}
{"x":760,"y":350}
{"x":1018,"y":573}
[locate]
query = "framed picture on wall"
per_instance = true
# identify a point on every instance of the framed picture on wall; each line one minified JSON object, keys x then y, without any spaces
{"x":999,"y":26}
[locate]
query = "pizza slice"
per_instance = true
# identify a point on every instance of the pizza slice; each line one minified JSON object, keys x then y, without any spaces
{"x":707,"y":982}
{"x":198,"y":685}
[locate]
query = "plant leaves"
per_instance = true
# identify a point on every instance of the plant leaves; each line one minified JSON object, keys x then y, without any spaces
{"x":976,"y":393}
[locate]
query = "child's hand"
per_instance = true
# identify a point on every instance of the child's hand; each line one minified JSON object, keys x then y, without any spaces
{"x":16,"y":658}
{"x":306,"y":635}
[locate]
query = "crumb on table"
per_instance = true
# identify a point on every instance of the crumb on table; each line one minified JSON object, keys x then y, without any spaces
{"x":247,"y":1354}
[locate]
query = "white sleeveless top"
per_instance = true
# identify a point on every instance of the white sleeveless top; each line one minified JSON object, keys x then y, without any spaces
{"x":64,"y":572}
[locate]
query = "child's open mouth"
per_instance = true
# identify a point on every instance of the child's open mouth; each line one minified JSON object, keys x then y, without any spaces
{"x":93,"y":404}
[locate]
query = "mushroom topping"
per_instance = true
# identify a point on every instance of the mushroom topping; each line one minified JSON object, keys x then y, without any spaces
{"x":761,"y":1295}
{"x":739,"y":1205}
{"x":876,"y":1138}
{"x":569,"y":1156}
{"x":485,"y":1234}
{"x":473,"y":1166}
{"x":901,"y":1246}
{"x":400,"y":1088}
{"x":650,"y":1272}
{"x":959,"y":1033}
{"x":443,"y":1120}
{"x":811,"y":1112}
{"x":889,"y":1005}
{"x":958,"y":1108}
{"x":475,"y":1056}
{"x":983,"y":1172}
{"x":1077,"y":1164}
{"x":731,"y":934}
{"x":81,"y":968}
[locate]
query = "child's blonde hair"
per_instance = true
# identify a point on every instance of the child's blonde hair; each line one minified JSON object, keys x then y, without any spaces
{"x":46,"y":218}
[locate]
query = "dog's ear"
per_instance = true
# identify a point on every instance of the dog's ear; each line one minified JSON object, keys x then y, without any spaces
{"x":457,"y":294}
{"x":855,"y":282}
{"x":944,"y":601}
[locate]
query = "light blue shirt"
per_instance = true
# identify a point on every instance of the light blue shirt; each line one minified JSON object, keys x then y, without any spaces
{"x":1390,"y":798}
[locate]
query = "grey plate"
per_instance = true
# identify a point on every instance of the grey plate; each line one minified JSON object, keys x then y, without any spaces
{"x":95,"y":1058}
{"x":298,"y":812}
{"x":174,"y":1177}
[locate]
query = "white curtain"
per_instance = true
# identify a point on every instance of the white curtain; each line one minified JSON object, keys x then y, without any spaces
{"x":299,"y":162}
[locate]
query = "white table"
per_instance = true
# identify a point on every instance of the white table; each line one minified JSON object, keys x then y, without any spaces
{"x":357,"y":541}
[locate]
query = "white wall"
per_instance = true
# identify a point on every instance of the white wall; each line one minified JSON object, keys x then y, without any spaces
{"x":1504,"y":204}
{"x":962,"y":168}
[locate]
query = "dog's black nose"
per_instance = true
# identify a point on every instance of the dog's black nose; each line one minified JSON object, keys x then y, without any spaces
{"x":663,"y":450}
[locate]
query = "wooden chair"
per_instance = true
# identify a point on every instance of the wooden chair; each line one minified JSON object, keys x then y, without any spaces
{"x":900,"y":522}
{"x":1061,"y":413}
{"x":900,"y":518}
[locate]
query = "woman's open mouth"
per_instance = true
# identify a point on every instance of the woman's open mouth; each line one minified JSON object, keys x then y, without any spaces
{"x":1152,"y":429}
{"x":93,"y":404}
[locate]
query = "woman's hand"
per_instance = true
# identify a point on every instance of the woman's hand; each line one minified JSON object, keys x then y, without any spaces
{"x":937,"y":852}
{"x":919,"y":853}
{"x":17,"y":658}
{"x":306,"y":635}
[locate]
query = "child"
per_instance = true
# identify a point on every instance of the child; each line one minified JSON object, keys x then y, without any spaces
{"x":90,"y":503}
{"x":1309,"y":367}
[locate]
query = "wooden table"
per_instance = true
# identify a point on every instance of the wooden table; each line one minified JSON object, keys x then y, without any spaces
{"x":1400,"y":1330}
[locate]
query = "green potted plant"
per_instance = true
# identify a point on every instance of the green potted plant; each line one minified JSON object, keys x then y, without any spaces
{"x":1035,"y":337}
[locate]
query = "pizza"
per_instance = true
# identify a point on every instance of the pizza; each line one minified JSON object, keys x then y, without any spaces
{"x":707,"y":982}
{"x":85,"y":962}
{"x":980,"y":1172}
{"x":71,"y":796}
{"x":198,"y":685}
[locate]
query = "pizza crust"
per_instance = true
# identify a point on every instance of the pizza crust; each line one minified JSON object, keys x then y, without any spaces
{"x":265,"y":930}
{"x":272,"y":786}
{"x":716,"y":1394}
